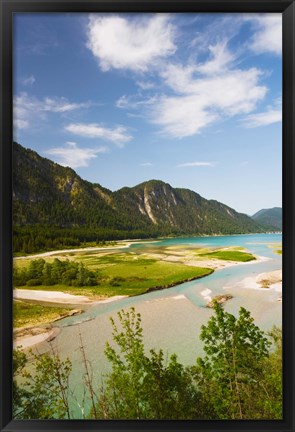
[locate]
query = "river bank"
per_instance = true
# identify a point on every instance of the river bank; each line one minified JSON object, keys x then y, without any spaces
{"x":266,"y":281}
{"x":28,"y":336}
{"x":172,"y":318}
{"x":31,"y":336}
{"x":125,"y":244}
{"x":143,"y":261}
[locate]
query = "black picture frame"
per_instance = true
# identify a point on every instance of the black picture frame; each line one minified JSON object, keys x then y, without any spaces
{"x":8,"y":8}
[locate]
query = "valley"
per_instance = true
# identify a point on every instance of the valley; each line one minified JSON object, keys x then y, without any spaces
{"x":122,"y":271}
{"x":84,"y":255}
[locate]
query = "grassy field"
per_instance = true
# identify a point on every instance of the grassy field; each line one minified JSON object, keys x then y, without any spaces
{"x":230,"y":255}
{"x":128,"y":274}
{"x":28,"y":314}
{"x":123,"y":273}
{"x":134,"y":273}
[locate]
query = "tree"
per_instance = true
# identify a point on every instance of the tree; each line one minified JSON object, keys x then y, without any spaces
{"x":124,"y":390}
{"x":40,"y":272}
{"x":44,"y":395}
{"x":169,"y":389}
{"x":238,"y":378}
{"x":267,"y":401}
{"x":19,"y":393}
{"x":236,"y":350}
{"x":141,"y":386}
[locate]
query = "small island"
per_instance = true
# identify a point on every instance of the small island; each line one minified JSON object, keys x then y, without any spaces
{"x":219,"y":299}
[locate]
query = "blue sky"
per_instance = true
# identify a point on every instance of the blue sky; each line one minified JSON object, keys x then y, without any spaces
{"x":194,"y":100}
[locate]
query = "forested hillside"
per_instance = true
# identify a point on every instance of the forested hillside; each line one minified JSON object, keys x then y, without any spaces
{"x":271,"y":218}
{"x":54,"y":207}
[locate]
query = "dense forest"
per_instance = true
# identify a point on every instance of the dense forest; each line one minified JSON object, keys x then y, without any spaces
{"x":54,"y":208}
{"x":239,"y":376}
{"x":36,"y":238}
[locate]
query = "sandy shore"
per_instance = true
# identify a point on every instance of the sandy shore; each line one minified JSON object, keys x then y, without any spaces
{"x":212,"y":263}
{"x":60,"y":297}
{"x":217,"y":264}
{"x":110,"y":299}
{"x":268,"y":280}
{"x":50,"y":296}
{"x":28,"y":337}
{"x":264,"y":281}
{"x":65,"y":251}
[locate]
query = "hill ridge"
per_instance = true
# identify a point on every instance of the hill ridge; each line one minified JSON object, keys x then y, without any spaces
{"x":270,"y":218}
{"x":48,"y":194}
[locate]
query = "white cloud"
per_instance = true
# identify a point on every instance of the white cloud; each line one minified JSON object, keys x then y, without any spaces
{"x":221,"y":57}
{"x":224,"y":27}
{"x":194,"y":95}
{"x":20,"y":124}
{"x":200,"y":94}
{"x":268,"y":36}
{"x":61,"y":105}
{"x":29,"y":80}
{"x":134,"y":44}
{"x":74,"y":156}
{"x":123,"y":102}
{"x":145,"y":85}
{"x":117,"y":135}
{"x":273,"y":114}
{"x":135,"y":101}
{"x":196,"y":164}
{"x":26,"y":109}
{"x":202,"y":100}
{"x":146,"y":164}
{"x":181,"y":116}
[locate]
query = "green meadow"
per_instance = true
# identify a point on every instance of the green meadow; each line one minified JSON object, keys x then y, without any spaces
{"x":118,"y":273}
{"x":29,"y":314}
{"x":230,"y":255}
{"x":124,"y":274}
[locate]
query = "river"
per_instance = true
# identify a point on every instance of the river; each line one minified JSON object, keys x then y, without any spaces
{"x":172,"y":318}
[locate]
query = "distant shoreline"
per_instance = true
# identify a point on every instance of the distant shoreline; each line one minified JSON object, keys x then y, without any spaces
{"x":128,"y":242}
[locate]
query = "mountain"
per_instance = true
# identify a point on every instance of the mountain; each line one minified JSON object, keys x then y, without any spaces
{"x":271,"y":218}
{"x":182,"y":210}
{"x":48,"y":195}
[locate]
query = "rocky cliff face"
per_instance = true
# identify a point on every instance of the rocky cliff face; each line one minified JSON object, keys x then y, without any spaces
{"x":183,"y":209}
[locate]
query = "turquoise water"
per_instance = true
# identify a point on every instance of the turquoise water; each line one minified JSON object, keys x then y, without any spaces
{"x":172,"y":318}
{"x":255,"y":243}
